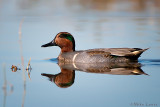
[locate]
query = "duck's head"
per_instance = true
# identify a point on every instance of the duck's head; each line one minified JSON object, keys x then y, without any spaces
{"x":64,"y":40}
{"x":64,"y":79}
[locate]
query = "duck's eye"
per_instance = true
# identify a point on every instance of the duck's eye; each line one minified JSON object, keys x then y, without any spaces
{"x":64,"y":35}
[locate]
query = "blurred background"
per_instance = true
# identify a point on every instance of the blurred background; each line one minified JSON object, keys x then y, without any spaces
{"x":94,"y":24}
{"x":105,"y":23}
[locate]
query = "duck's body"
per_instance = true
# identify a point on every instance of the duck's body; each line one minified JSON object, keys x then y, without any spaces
{"x":68,"y":54}
{"x":102,"y":55}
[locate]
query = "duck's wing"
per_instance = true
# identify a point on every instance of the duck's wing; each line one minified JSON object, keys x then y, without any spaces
{"x":127,"y":52}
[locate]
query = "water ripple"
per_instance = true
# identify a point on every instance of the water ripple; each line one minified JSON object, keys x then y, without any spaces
{"x":155,"y":62}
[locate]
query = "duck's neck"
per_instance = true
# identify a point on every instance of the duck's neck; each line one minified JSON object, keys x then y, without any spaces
{"x":67,"y":49}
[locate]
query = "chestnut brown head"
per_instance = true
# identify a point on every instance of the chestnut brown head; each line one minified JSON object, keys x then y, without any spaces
{"x":64,"y":40}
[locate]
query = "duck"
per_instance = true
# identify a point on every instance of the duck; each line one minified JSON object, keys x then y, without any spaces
{"x":68,"y":54}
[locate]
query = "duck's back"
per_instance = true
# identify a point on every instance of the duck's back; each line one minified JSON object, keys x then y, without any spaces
{"x":102,"y":55}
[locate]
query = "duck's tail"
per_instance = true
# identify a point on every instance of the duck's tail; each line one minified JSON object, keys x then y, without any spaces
{"x":136,"y":53}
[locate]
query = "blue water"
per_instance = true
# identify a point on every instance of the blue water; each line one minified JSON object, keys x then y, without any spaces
{"x":94,"y":24}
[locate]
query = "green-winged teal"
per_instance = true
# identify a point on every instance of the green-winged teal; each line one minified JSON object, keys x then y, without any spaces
{"x":68,"y":54}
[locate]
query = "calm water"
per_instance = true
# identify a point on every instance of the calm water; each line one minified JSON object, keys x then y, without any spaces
{"x":94,"y":24}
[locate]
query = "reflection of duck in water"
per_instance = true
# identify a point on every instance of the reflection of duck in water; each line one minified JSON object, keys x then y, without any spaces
{"x":105,"y":68}
{"x":64,"y":79}
{"x":68,"y":54}
{"x":67,"y":75}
